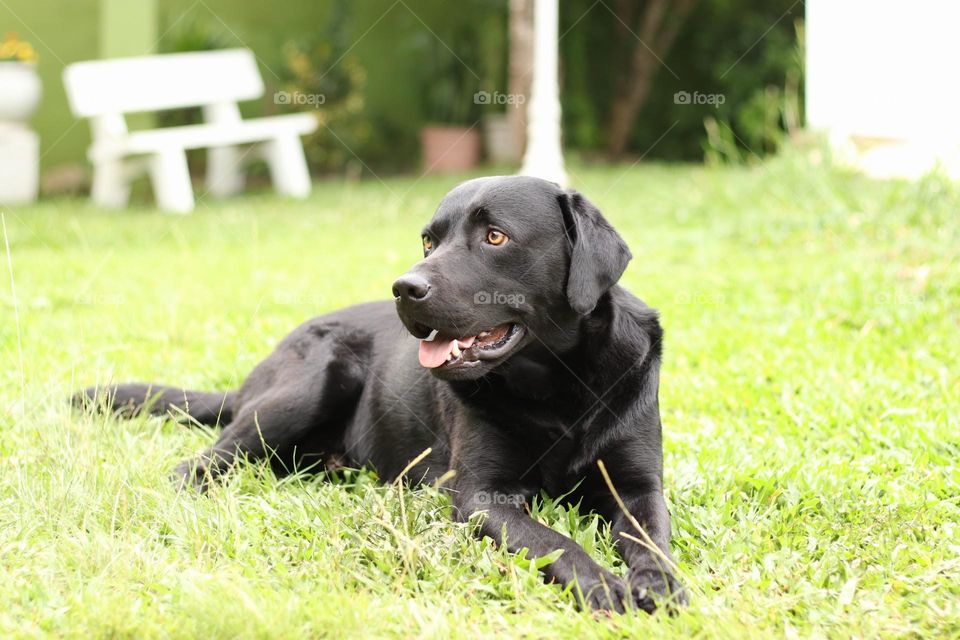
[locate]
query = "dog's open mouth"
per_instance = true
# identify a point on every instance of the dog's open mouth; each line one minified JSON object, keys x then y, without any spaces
{"x":440,"y":349}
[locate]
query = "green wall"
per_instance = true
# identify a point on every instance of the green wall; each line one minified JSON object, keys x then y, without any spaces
{"x":261,"y":26}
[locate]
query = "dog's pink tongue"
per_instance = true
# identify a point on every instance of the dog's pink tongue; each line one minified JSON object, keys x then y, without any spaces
{"x":435,"y":353}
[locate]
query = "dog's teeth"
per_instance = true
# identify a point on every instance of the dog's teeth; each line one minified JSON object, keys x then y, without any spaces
{"x":449,"y":357}
{"x":483,"y":334}
{"x":433,"y":334}
{"x":456,"y":350}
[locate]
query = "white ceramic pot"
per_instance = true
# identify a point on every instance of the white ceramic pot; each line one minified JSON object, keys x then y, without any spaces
{"x":20,"y":91}
{"x":498,"y":139}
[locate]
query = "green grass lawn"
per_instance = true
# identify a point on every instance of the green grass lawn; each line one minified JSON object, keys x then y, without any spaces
{"x":810,"y":399}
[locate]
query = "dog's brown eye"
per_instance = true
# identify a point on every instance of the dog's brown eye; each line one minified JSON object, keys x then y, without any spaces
{"x":427,"y":244}
{"x":496,"y":238}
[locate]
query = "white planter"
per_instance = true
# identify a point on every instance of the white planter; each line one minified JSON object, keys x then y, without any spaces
{"x":498,"y":139}
{"x":20,"y":91}
{"x":19,"y":164}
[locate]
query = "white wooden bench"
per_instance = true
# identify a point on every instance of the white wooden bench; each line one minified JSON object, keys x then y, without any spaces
{"x":105,"y":90}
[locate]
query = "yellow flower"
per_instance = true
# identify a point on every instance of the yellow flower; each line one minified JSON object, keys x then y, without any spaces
{"x":12,"y":48}
{"x":26,"y":53}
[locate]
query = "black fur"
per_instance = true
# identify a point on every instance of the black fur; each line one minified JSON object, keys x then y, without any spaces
{"x":578,"y":385}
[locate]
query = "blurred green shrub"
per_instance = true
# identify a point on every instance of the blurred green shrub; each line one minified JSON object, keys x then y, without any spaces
{"x":766,"y":120}
{"x":746,"y":51}
{"x":324,"y":80}
{"x":195,"y":35}
{"x":191,"y":35}
{"x":322,"y":76}
{"x":448,"y":82}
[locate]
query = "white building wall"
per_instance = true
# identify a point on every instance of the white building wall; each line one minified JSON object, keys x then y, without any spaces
{"x":886,"y":69}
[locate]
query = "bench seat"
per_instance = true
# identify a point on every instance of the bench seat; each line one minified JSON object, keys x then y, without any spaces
{"x":106,"y":90}
{"x":200,"y":136}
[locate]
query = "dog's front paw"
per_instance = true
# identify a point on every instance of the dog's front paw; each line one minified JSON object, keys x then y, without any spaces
{"x":655,"y":587}
{"x":606,"y":592}
{"x":191,"y":474}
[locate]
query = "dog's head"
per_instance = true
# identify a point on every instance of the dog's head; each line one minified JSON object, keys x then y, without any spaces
{"x":507,"y":261}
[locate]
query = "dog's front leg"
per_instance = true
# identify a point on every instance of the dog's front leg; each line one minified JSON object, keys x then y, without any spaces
{"x":642,"y":534}
{"x":647,"y":551}
{"x":506,"y":522}
{"x":490,"y":470}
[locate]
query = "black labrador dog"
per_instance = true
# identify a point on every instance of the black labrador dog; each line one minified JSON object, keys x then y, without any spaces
{"x":517,"y":362}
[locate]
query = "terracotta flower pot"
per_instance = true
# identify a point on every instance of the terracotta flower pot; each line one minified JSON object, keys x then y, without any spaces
{"x":20,"y":91}
{"x":449,"y":149}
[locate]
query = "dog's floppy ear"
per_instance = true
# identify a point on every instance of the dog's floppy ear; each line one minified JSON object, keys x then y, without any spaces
{"x":598,"y":255}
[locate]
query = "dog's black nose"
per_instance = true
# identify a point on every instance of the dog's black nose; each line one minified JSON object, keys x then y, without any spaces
{"x":411,"y":287}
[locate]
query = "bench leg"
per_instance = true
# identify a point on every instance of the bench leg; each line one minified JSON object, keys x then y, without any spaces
{"x":171,"y":181}
{"x":288,"y":166}
{"x":224,"y":177}
{"x":111,"y":186}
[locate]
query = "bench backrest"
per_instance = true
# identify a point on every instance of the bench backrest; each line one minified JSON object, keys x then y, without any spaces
{"x":154,"y":83}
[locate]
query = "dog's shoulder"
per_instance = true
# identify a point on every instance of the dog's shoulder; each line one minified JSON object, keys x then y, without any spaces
{"x":634,"y":326}
{"x":626,"y":353}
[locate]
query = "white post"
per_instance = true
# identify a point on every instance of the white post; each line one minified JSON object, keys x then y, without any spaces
{"x":544,"y":155}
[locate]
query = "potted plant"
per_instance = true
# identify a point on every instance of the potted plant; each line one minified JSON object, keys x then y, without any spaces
{"x":450,"y":140}
{"x":20,"y":92}
{"x":324,"y":77}
{"x":499,"y":104}
{"x":20,"y":88}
